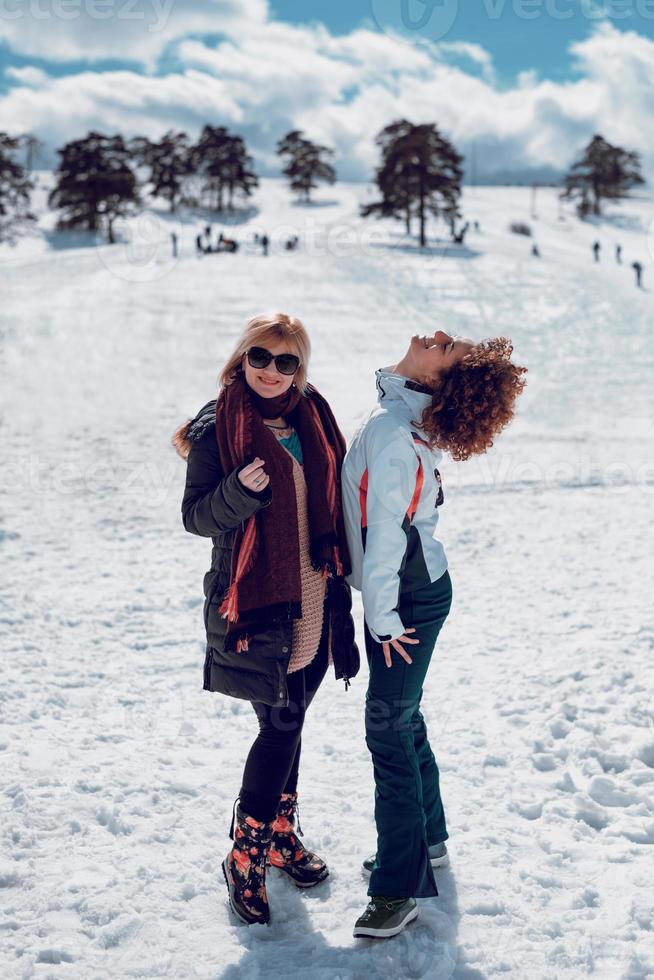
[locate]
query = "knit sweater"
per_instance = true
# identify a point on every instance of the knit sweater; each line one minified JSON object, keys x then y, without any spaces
{"x":308,"y":629}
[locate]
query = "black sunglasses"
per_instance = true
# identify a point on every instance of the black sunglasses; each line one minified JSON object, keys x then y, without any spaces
{"x":259,"y":357}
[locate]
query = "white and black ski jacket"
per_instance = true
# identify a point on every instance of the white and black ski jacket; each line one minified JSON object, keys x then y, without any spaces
{"x":391,"y":493}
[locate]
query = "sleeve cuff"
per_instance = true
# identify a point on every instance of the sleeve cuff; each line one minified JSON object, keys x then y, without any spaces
{"x":385,"y":636}
{"x":263,"y":496}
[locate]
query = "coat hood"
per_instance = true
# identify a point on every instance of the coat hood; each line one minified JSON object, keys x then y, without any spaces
{"x":192,"y":430}
{"x":409,"y":395}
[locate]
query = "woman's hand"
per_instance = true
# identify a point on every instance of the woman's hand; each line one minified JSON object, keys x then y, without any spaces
{"x":397,"y":645}
{"x":253,"y":476}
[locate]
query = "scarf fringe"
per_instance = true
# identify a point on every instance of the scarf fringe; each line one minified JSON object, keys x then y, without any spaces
{"x":330,"y":569}
{"x":337,"y":562}
{"x":229,"y":610}
{"x":229,"y":606}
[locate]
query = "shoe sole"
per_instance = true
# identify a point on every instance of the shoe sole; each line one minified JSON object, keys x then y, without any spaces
{"x":309,"y":884}
{"x":239,"y":915}
{"x":441,"y":862}
{"x":367,"y":931}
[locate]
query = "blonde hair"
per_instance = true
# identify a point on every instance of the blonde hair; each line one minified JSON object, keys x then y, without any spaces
{"x":266,"y":328}
{"x":259,"y":330}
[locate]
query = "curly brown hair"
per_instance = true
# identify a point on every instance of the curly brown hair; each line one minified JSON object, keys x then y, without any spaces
{"x":475,"y":400}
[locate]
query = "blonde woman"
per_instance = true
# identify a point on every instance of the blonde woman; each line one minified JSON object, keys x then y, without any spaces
{"x":263,"y":481}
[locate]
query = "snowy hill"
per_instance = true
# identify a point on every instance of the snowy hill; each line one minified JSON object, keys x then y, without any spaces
{"x":119,"y":772}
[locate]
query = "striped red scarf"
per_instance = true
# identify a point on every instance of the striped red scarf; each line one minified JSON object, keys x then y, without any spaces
{"x":265,"y":570}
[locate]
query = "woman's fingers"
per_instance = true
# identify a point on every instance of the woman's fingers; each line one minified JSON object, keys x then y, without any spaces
{"x":258,"y":481}
{"x":256,"y":464}
{"x":401,"y":651}
{"x":397,"y":645}
{"x":254,"y":476}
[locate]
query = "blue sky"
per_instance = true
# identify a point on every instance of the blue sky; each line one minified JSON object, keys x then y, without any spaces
{"x":517,"y":43}
{"x":520,"y":84}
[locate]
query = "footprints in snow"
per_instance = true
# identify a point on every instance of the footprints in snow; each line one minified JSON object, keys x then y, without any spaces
{"x":578,"y":773}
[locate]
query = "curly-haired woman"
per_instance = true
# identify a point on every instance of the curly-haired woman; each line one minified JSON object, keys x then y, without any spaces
{"x":263,"y":481}
{"x":446,"y":394}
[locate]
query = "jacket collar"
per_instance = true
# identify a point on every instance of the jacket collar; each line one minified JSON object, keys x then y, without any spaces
{"x":407,"y":394}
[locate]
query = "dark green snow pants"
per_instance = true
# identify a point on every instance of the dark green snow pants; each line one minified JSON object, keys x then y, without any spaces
{"x":408,"y":808}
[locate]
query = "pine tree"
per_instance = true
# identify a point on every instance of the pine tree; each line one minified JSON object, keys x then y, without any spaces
{"x":221,"y":158}
{"x":95,"y":183}
{"x":168,"y":161}
{"x":420,"y":174}
{"x":15,"y":189}
{"x":208,"y":157}
{"x":604,"y":172}
{"x":238,"y":172}
{"x":305,"y":163}
{"x":396,"y":196}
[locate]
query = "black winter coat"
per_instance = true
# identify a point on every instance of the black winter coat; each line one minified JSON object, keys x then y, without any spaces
{"x":213,"y":506}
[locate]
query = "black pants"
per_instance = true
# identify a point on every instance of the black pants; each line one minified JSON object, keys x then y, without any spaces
{"x":273,"y":763}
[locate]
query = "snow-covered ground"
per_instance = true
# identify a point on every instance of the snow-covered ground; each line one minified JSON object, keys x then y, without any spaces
{"x":119,"y":772}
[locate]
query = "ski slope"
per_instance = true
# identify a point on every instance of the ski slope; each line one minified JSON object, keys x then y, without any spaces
{"x":118,"y":771}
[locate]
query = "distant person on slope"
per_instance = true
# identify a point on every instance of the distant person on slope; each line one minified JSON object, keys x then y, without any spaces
{"x":596,"y":250}
{"x":263,"y":481}
{"x":638,"y":269}
{"x":618,"y":254}
{"x":447,"y":394}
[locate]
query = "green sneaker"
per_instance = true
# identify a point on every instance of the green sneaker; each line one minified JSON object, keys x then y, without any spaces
{"x":386,"y":916}
{"x":438,"y":858}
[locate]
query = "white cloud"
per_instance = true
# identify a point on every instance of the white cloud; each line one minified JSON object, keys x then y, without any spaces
{"x":116,"y":101}
{"x":271,"y":77}
{"x":474,"y":52}
{"x":620,"y":69}
{"x":138,"y":30}
{"x":28,"y":75}
{"x":527,"y":79}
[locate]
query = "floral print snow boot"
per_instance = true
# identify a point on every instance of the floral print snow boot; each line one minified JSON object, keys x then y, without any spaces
{"x":244,"y":868}
{"x":288,"y":853}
